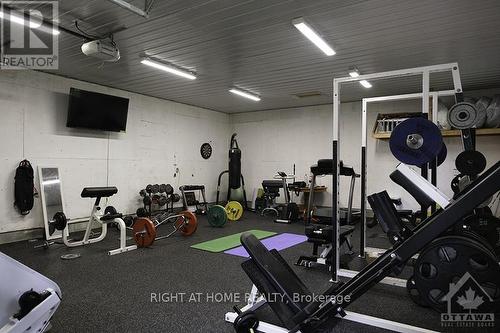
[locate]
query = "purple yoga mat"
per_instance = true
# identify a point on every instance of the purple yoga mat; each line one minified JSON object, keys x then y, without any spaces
{"x":278,"y":242}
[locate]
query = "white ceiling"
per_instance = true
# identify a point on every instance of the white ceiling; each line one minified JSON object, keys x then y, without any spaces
{"x":253,"y":44}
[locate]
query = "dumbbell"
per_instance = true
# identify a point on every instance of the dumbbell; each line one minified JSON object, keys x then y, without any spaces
{"x":58,"y":222}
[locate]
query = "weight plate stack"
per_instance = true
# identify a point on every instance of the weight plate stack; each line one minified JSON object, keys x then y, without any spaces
{"x":217,"y":216}
{"x":454,"y":261}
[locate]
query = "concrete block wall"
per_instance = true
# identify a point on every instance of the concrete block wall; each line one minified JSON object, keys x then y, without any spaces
{"x":161,"y":137}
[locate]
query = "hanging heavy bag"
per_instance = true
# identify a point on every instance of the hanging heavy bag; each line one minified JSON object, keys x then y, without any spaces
{"x":23,"y":187}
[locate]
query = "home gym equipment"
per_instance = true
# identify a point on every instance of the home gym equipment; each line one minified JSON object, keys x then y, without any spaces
{"x":322,"y":168}
{"x":189,"y":198}
{"x":462,"y":115}
{"x":320,"y":233}
{"x":286,"y":212}
{"x":206,"y":150}
{"x":27,"y":298}
{"x":234,"y":210}
{"x":236,"y":180}
{"x":217,"y":216}
{"x":416,"y":141}
{"x":158,"y":195}
{"x":145,"y":230}
{"x":299,"y":310}
{"x":96,"y":216}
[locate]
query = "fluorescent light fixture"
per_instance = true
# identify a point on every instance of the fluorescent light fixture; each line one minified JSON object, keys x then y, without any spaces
{"x":37,"y":23}
{"x":168,"y":68}
{"x":245,"y":94}
{"x":353,"y":72}
{"x":365,"y":84}
{"x":312,"y":35}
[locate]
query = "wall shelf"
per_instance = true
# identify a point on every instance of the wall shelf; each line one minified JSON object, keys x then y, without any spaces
{"x":445,"y":133}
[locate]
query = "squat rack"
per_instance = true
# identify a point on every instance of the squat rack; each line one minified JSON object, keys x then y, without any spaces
{"x":425,"y":95}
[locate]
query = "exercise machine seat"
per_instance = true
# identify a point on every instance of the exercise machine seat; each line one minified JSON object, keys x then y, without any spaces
{"x":272,"y":184}
{"x":273,"y":276}
{"x":98,"y":192}
{"x":321,"y":234}
{"x":325,"y":167}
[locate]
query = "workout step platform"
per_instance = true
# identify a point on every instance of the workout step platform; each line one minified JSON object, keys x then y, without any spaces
{"x":98,"y":192}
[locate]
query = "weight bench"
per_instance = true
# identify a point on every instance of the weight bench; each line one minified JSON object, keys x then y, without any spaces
{"x":292,"y":301}
{"x":109,"y":216}
{"x":321,"y":235}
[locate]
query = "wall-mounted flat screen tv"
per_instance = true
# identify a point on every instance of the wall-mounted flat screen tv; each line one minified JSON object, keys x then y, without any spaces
{"x":93,"y":110}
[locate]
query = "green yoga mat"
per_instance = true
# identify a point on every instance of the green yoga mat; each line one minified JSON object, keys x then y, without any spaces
{"x":228,"y":242}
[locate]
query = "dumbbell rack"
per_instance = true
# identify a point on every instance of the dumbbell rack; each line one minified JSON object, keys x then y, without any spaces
{"x":161,"y":195}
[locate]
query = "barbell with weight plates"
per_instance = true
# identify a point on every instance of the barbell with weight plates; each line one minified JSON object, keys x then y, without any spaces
{"x":234,"y":210}
{"x":58,"y":222}
{"x":145,"y":231}
{"x":217,"y":216}
{"x":416,"y":141}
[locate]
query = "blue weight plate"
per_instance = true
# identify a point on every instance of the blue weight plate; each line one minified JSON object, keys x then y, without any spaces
{"x":442,"y":155}
{"x":431,"y":144}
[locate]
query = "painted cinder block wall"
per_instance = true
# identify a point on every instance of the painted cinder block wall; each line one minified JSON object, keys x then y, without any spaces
{"x":161,"y":137}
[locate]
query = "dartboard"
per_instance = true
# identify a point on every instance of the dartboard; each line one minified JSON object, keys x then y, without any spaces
{"x":206,"y":150}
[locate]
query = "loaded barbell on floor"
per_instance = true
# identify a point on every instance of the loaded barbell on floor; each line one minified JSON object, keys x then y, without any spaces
{"x":145,"y":230}
{"x":234,"y":210}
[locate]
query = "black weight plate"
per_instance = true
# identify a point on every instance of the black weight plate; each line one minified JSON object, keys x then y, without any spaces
{"x":149,"y":188}
{"x":430,"y":145}
{"x":446,"y":260}
{"x":163,"y":188}
{"x":169,"y":189}
{"x":156,"y":188}
{"x":176,"y":197}
{"x":110,"y":210}
{"x":470,"y":162}
{"x":206,"y":150}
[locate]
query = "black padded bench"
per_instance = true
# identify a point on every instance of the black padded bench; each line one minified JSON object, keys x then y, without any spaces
{"x":98,"y":192}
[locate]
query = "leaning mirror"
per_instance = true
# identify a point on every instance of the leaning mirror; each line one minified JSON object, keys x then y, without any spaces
{"x":52,"y":198}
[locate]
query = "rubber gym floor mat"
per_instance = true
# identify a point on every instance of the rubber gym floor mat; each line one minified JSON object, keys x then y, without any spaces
{"x":278,"y":242}
{"x":228,"y":242}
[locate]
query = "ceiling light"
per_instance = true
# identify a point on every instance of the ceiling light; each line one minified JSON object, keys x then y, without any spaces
{"x":365,"y":84}
{"x":168,"y":68}
{"x":312,"y":35}
{"x":35,"y":22}
{"x":353,"y":72}
{"x":245,"y":94}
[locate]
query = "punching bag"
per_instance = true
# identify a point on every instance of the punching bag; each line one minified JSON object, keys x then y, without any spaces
{"x":234,"y":166}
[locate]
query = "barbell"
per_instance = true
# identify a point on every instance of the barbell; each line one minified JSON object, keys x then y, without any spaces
{"x":145,"y":231}
{"x":218,"y":215}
